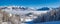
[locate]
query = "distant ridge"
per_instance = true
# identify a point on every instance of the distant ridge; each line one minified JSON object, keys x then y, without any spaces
{"x":43,"y":9}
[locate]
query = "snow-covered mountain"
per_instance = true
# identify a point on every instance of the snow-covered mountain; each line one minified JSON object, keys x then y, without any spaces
{"x":43,"y":14}
{"x":23,"y":11}
{"x":21,"y":8}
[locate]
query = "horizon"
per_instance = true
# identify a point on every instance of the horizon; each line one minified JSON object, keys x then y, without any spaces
{"x":28,"y":7}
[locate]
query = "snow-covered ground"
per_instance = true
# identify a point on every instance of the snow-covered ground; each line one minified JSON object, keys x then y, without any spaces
{"x":52,"y":22}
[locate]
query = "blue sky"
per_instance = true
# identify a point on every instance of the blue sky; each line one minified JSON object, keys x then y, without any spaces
{"x":31,"y":3}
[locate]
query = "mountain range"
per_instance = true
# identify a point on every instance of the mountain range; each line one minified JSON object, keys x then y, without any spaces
{"x":25,"y":8}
